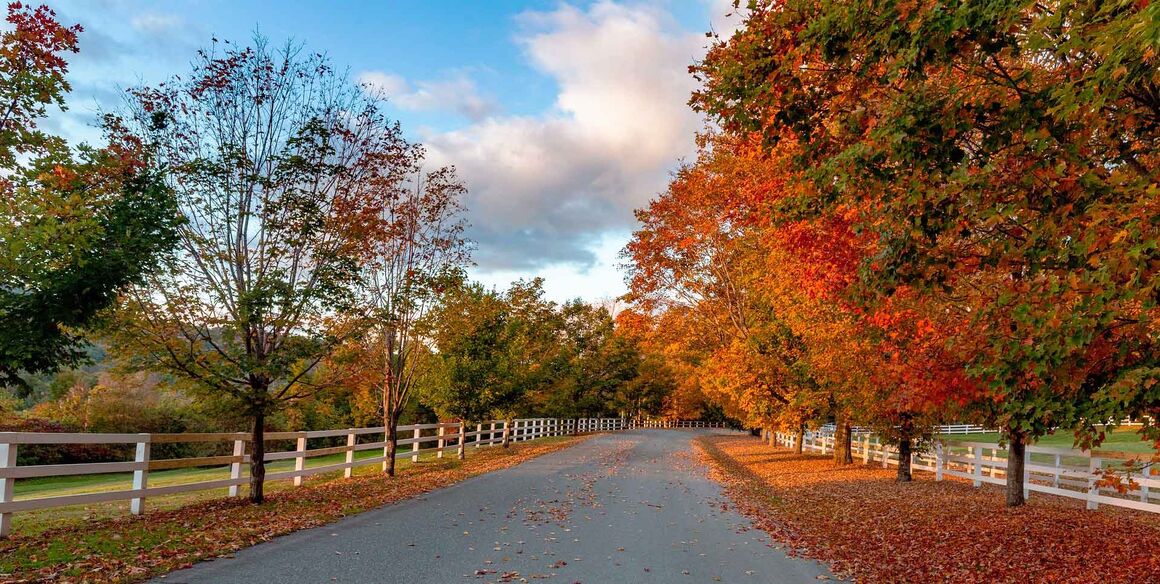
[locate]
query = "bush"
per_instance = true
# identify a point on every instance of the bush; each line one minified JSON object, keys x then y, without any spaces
{"x":32,"y":454}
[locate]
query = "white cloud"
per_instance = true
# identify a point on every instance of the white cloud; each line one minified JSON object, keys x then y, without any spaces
{"x":386,"y":84}
{"x":456,"y":92}
{"x":724,"y":18}
{"x":154,"y":23}
{"x":545,"y":188}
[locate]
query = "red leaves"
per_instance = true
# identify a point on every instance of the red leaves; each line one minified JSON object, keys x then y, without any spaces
{"x":876,"y":530}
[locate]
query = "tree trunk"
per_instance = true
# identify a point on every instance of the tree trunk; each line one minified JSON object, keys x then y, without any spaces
{"x":507,"y":433}
{"x":903,"y":475}
{"x":843,"y":447}
{"x":258,"y":458}
{"x":847,"y":445}
{"x":1016,"y":453}
{"x":799,"y":440}
{"x":392,"y":446}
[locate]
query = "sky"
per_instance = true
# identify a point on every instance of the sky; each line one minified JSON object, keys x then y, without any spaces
{"x":561,"y":117}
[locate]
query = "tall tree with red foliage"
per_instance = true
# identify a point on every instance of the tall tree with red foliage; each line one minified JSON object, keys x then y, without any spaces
{"x":1005,"y":156}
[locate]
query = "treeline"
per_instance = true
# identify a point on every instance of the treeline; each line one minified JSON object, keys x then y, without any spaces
{"x":920,"y":213}
{"x":257,"y":245}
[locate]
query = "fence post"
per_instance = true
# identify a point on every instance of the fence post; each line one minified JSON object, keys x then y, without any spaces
{"x":1144,"y":476}
{"x":1093,"y":498}
{"x":938,"y":461}
{"x":7,"y":485}
{"x":491,"y":434}
{"x":440,"y":443}
{"x":885,"y":453}
{"x":141,"y":475}
{"x":462,"y":436}
{"x":1026,"y":476}
{"x":236,"y":465}
{"x":978,"y":470}
{"x":478,"y":434}
{"x":300,"y":459}
{"x":866,"y":449}
{"x":416,"y":435}
{"x":1055,"y":475}
{"x":351,"y":440}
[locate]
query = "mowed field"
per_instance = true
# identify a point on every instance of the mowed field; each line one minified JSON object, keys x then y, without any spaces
{"x":36,"y":521}
{"x":1121,"y":440}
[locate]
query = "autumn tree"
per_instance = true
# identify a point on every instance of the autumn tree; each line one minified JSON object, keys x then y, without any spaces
{"x":471,"y":374}
{"x":655,"y":380}
{"x":700,"y":257}
{"x":76,"y":228}
{"x":594,"y":362}
{"x":1005,"y":156}
{"x":419,"y":253}
{"x":535,"y":353}
{"x":274,"y":158}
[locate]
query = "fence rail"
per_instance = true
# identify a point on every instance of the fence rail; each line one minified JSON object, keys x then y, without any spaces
{"x":422,"y":438}
{"x":677,"y":424}
{"x":1058,"y":471}
{"x":943,"y":430}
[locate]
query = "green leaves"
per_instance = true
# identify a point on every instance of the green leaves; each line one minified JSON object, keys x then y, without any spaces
{"x":75,"y":230}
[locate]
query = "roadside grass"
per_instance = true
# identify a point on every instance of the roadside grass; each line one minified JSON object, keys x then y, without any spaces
{"x":873,"y":529}
{"x":1121,"y":440}
{"x":43,"y":519}
{"x":1124,"y":441}
{"x":174,"y":533}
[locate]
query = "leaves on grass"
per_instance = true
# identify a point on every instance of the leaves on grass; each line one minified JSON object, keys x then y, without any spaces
{"x":873,"y":529}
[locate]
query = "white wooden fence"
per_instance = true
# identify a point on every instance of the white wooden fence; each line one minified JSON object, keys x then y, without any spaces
{"x":441,"y":437}
{"x":676,"y":424}
{"x":944,"y":429}
{"x":1057,"y":471}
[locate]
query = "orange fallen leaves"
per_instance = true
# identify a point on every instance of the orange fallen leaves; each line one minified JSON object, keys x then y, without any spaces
{"x":873,"y":529}
{"x":129,"y":549}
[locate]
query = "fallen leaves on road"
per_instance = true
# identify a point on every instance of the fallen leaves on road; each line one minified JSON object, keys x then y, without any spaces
{"x":127,"y":549}
{"x":872,"y":529}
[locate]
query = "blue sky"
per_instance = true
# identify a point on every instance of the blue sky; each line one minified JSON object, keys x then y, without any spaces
{"x":561,"y":117}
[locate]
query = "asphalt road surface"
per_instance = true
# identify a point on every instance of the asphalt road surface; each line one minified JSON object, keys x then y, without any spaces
{"x":629,"y":507}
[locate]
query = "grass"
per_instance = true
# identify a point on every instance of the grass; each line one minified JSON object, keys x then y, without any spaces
{"x":1123,"y":441}
{"x":45,"y":519}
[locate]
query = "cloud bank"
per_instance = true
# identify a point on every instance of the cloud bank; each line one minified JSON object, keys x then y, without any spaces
{"x":545,"y":188}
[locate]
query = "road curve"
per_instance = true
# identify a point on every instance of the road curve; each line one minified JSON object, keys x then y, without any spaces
{"x":630,"y":507}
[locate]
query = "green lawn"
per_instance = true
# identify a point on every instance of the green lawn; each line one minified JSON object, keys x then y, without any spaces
{"x":70,"y":485}
{"x":1122,"y":441}
{"x":36,"y":521}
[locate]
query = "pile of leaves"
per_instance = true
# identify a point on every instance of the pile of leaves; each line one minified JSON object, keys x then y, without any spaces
{"x":129,"y":549}
{"x":873,"y":529}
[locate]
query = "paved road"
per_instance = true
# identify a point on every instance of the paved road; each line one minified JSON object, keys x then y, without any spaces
{"x":620,"y":508}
